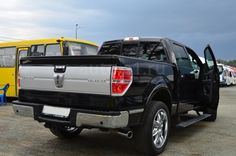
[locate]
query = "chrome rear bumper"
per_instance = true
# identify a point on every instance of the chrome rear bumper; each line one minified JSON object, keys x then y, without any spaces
{"x":105,"y":121}
{"x":26,"y":111}
{"x":82,"y":119}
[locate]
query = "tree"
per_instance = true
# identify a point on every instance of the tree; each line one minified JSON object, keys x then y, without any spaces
{"x":230,"y":62}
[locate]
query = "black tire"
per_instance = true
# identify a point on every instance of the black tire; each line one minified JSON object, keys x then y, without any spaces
{"x":65,"y":132}
{"x":143,"y":135}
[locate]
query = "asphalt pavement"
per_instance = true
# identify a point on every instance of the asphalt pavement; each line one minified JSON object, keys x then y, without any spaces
{"x":21,"y":136}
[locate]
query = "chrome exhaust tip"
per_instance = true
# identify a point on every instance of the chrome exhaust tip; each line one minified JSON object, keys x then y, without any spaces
{"x":128,"y":134}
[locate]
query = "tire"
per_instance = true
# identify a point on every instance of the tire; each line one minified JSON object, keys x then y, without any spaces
{"x":65,"y":132}
{"x":145,"y":140}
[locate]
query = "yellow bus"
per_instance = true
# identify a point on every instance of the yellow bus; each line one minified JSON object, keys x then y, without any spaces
{"x":11,"y":52}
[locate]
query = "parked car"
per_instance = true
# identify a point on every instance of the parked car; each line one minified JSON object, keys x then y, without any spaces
{"x":133,"y":86}
{"x":227,"y":76}
{"x":233,"y":70}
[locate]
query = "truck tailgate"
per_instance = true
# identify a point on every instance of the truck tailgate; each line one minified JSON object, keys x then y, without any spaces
{"x":74,"y":79}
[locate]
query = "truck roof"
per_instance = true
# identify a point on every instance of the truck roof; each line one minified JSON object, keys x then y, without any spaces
{"x":147,"y":39}
{"x":137,"y":39}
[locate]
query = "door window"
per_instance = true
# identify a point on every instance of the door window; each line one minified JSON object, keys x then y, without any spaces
{"x":182,"y":59}
{"x":195,"y":61}
{"x":209,"y":59}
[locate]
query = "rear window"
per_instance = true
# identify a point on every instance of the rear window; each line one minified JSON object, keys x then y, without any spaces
{"x":110,"y":49}
{"x":144,"y":50}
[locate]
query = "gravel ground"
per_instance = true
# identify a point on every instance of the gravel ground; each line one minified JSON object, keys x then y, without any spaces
{"x":23,"y":136}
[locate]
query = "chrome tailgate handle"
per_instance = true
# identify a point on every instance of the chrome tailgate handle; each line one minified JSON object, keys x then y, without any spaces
{"x":60,"y":69}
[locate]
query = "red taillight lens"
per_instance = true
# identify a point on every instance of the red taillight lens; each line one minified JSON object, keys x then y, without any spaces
{"x":121,"y":80}
{"x":118,"y":88}
{"x":119,"y":74}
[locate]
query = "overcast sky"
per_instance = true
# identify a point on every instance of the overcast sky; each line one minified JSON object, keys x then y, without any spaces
{"x":192,"y":22}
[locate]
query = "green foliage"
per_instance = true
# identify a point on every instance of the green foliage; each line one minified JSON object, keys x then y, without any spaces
{"x":230,"y":62}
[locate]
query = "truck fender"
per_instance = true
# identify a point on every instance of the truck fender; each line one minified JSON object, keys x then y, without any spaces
{"x":160,"y":93}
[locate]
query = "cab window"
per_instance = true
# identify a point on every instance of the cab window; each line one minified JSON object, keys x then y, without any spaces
{"x":111,"y":49}
{"x":156,"y":52}
{"x":144,"y":50}
{"x":53,"y":50}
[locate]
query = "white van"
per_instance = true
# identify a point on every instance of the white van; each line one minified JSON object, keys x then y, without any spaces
{"x":227,"y":75}
{"x":233,"y":70}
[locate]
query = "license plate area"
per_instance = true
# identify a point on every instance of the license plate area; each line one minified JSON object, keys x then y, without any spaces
{"x":56,"y":111}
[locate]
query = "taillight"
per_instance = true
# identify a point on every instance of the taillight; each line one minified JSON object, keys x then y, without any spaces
{"x":121,"y":80}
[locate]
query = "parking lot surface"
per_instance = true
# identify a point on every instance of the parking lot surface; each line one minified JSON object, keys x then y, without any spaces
{"x":23,"y":136}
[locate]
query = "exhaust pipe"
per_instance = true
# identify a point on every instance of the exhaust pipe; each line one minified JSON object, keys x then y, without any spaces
{"x":128,"y":134}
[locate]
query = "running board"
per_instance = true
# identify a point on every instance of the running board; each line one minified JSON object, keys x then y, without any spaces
{"x":192,"y":121}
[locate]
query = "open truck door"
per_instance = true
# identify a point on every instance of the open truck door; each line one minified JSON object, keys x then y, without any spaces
{"x":211,"y":83}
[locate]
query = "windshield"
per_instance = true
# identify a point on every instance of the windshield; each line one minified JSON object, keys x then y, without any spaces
{"x":144,"y":50}
{"x":76,"y":49}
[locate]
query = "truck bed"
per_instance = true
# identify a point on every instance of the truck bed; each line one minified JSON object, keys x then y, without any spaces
{"x":86,"y":81}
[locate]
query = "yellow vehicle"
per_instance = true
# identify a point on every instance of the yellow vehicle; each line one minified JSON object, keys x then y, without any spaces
{"x":11,"y":52}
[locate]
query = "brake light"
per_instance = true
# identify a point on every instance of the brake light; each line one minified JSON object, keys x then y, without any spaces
{"x":131,"y":39}
{"x":121,"y":80}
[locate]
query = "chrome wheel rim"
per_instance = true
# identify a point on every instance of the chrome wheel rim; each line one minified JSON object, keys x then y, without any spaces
{"x":160,"y":128}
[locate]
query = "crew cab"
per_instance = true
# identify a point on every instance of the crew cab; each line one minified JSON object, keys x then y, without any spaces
{"x":135,"y":86}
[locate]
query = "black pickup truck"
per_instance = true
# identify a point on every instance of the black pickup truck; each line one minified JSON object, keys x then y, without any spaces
{"x":136,"y":86}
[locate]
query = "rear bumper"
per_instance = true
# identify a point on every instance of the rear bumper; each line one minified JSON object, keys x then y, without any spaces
{"x":106,"y":121}
{"x":81,"y":117}
{"x":21,"y":110}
